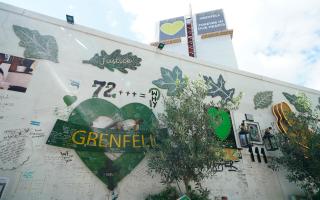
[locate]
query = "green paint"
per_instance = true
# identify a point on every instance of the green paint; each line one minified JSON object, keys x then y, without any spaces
{"x":74,"y":136}
{"x":69,"y":100}
{"x":172,"y":28}
{"x":218,"y":89}
{"x":262,"y":99}
{"x":221,"y":123}
{"x":86,"y":112}
{"x":115,"y":61}
{"x":36,"y":45}
{"x":171,"y":80}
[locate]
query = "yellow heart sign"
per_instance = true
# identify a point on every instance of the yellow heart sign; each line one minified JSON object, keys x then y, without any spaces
{"x":172,"y":28}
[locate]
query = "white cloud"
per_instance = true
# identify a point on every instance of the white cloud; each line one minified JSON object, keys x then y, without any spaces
{"x":272,"y":38}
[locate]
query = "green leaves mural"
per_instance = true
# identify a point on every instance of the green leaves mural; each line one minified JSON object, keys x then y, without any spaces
{"x":111,"y":171}
{"x":171,"y":80}
{"x":37,"y":46}
{"x":262,"y":99}
{"x":300,"y":102}
{"x":218,"y":89}
{"x":115,"y":61}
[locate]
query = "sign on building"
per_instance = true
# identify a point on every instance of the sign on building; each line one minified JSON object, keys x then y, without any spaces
{"x":211,"y":21}
{"x":172,"y":28}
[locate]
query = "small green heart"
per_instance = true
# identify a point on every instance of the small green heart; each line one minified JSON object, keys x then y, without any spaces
{"x":172,"y":28}
{"x":69,"y":100}
{"x":221,"y":122}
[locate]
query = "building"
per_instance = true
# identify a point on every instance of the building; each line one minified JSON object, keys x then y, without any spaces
{"x":57,"y":78}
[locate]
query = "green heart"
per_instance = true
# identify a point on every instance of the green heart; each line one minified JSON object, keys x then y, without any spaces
{"x":69,"y":100}
{"x":172,"y":28}
{"x":86,"y":112}
{"x":221,"y":122}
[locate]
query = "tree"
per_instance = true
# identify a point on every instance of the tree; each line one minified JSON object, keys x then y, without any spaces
{"x":191,"y":151}
{"x":300,"y":149}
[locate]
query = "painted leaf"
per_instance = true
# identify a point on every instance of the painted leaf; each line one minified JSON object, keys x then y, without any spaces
{"x":36,"y":45}
{"x":169,"y":80}
{"x":218,"y":89}
{"x":262,"y":99}
{"x":115,"y":61}
{"x":294,"y":100}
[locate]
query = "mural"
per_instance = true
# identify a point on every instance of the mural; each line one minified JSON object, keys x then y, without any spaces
{"x":218,"y":89}
{"x":172,"y":28}
{"x":170,"y":79}
{"x":69,"y":100}
{"x":262,"y":99}
{"x":102,"y":115}
{"x":110,"y":86}
{"x":15,"y":72}
{"x":222,"y":125}
{"x":37,"y":46}
{"x":115,"y":61}
{"x":294,"y":100}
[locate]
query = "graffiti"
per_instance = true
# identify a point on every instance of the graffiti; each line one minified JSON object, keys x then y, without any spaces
{"x":155,"y":96}
{"x":110,"y":86}
{"x":28,"y":174}
{"x":115,"y":61}
{"x":35,"y":123}
{"x":66,"y":156}
{"x":62,"y":113}
{"x":142,"y":95}
{"x":75,"y":83}
{"x":171,"y":80}
{"x":3,"y":182}
{"x":262,"y":99}
{"x":37,"y":46}
{"x":225,"y":164}
{"x":15,"y":148}
{"x":36,"y":133}
{"x":104,"y":114}
{"x":218,"y":89}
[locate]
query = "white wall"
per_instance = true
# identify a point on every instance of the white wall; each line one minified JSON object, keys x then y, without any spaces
{"x":43,"y":174}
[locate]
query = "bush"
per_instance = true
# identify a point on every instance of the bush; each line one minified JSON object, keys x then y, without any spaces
{"x":171,"y":193}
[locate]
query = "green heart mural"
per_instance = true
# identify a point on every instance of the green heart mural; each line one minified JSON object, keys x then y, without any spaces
{"x":111,"y":171}
{"x":69,"y":100}
{"x":222,"y":125}
{"x":172,"y":28}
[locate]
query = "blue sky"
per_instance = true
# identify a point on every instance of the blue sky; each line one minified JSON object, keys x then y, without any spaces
{"x":275,"y":38}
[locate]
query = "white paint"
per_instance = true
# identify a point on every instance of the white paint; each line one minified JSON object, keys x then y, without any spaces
{"x":53,"y":178}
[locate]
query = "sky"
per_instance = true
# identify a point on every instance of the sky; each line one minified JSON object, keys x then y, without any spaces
{"x":274,"y":38}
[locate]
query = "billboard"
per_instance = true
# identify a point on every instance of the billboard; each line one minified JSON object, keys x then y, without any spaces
{"x":211,"y":21}
{"x":172,"y":28}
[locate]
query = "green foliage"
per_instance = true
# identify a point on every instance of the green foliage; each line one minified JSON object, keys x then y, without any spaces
{"x":37,"y":45}
{"x":301,"y":102}
{"x":301,"y":149}
{"x":170,"y":193}
{"x":191,"y":150}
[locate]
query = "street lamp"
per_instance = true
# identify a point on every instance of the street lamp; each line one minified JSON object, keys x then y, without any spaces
{"x":244,"y":136}
{"x":270,"y":140}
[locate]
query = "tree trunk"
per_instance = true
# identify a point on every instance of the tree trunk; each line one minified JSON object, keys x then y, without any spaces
{"x":186,"y":185}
